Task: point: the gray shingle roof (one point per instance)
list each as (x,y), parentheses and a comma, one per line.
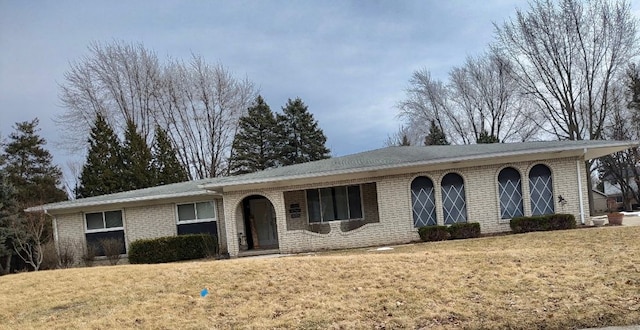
(407,156)
(385,158)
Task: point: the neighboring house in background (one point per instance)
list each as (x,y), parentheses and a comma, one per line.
(371,198)
(611,188)
(599,201)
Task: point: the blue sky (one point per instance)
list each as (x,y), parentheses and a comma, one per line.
(349,61)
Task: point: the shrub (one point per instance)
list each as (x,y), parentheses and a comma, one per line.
(49,256)
(66,253)
(88,254)
(464,230)
(172,248)
(542,223)
(433,233)
(112,248)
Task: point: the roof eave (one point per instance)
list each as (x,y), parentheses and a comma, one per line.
(122,201)
(561,152)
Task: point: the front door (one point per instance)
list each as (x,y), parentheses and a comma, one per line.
(264,223)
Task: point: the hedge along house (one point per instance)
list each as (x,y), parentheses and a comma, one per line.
(366,199)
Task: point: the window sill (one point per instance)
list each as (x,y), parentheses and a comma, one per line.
(186,222)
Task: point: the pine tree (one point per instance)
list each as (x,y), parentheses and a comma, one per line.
(301,140)
(254,146)
(436,136)
(29,167)
(137,160)
(103,170)
(486,138)
(7,214)
(166,167)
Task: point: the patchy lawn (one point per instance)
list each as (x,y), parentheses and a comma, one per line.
(565,279)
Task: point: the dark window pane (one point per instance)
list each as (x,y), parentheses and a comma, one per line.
(93,240)
(453,199)
(326,201)
(510,193)
(342,205)
(94,221)
(208,227)
(205,210)
(186,212)
(541,190)
(355,204)
(113,219)
(423,202)
(313,205)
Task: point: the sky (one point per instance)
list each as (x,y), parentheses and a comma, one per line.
(349,61)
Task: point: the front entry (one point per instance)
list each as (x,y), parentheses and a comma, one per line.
(260,223)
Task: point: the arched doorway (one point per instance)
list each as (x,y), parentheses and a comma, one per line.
(259,217)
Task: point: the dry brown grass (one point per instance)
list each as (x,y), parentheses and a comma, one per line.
(566,279)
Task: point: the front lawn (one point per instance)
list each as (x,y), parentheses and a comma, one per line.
(564,279)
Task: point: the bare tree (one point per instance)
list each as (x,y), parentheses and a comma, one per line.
(30,236)
(201,109)
(566,58)
(402,137)
(481,96)
(199,105)
(488,98)
(623,123)
(119,80)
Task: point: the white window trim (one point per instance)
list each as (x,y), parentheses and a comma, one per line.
(102,230)
(184,222)
(306,201)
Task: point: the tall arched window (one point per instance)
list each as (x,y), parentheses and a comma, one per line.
(541,189)
(454,206)
(423,202)
(510,193)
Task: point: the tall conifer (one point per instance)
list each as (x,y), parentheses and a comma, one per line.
(436,136)
(254,147)
(137,160)
(29,167)
(301,138)
(166,167)
(103,169)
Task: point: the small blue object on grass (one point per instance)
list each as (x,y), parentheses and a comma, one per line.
(204,292)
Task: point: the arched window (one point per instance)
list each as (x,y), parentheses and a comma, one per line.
(510,193)
(423,202)
(454,205)
(541,189)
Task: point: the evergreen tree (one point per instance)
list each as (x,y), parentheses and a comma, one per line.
(7,214)
(301,140)
(29,167)
(436,136)
(166,167)
(255,144)
(137,160)
(485,137)
(103,170)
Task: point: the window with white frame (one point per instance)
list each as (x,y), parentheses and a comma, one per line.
(510,193)
(101,227)
(334,203)
(197,218)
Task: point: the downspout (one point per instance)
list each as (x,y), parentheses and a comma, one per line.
(580,200)
(56,239)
